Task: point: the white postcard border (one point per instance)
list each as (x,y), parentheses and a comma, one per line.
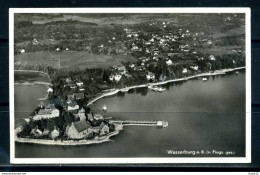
(151,160)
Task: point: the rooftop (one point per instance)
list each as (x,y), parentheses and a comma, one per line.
(82,125)
(44,111)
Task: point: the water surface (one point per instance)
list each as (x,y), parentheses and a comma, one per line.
(201,115)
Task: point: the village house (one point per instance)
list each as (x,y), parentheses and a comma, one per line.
(49,90)
(79,130)
(150,76)
(68,80)
(212,58)
(36,132)
(169,62)
(81,89)
(22,51)
(98,117)
(135,48)
(131,66)
(54,134)
(115,77)
(184,70)
(194,67)
(71,97)
(120,68)
(81,114)
(79,83)
(90,117)
(102,129)
(45,132)
(72,105)
(79,95)
(72,85)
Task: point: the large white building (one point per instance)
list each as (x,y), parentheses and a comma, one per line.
(47,113)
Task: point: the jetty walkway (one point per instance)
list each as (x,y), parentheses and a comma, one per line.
(163,124)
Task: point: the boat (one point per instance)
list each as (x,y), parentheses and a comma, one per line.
(204,79)
(160,89)
(156,88)
(237,72)
(104,108)
(150,87)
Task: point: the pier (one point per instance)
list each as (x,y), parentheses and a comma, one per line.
(163,124)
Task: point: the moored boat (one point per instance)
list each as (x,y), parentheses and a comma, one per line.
(160,89)
(156,88)
(104,108)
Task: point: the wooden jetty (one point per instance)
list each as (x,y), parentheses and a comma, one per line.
(163,123)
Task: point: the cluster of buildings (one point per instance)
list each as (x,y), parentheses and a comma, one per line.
(84,128)
(85,124)
(46,112)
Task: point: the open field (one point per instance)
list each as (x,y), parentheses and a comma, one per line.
(101,19)
(234,31)
(219,50)
(70,59)
(30,76)
(41,57)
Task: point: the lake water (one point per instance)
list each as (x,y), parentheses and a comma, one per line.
(202,116)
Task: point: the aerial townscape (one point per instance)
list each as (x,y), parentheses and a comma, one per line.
(82,58)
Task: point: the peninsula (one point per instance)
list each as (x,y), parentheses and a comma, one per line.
(87,61)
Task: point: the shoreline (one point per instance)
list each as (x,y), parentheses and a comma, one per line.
(66,142)
(217,72)
(33,83)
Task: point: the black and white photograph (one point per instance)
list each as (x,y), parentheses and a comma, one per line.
(130,85)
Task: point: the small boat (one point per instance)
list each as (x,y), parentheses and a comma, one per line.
(204,79)
(150,87)
(156,88)
(104,108)
(237,72)
(160,89)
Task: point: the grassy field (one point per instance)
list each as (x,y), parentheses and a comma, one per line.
(235,31)
(37,58)
(70,59)
(219,50)
(29,76)
(102,20)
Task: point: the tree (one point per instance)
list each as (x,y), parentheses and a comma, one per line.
(32,124)
(50,124)
(25,132)
(68,118)
(43,123)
